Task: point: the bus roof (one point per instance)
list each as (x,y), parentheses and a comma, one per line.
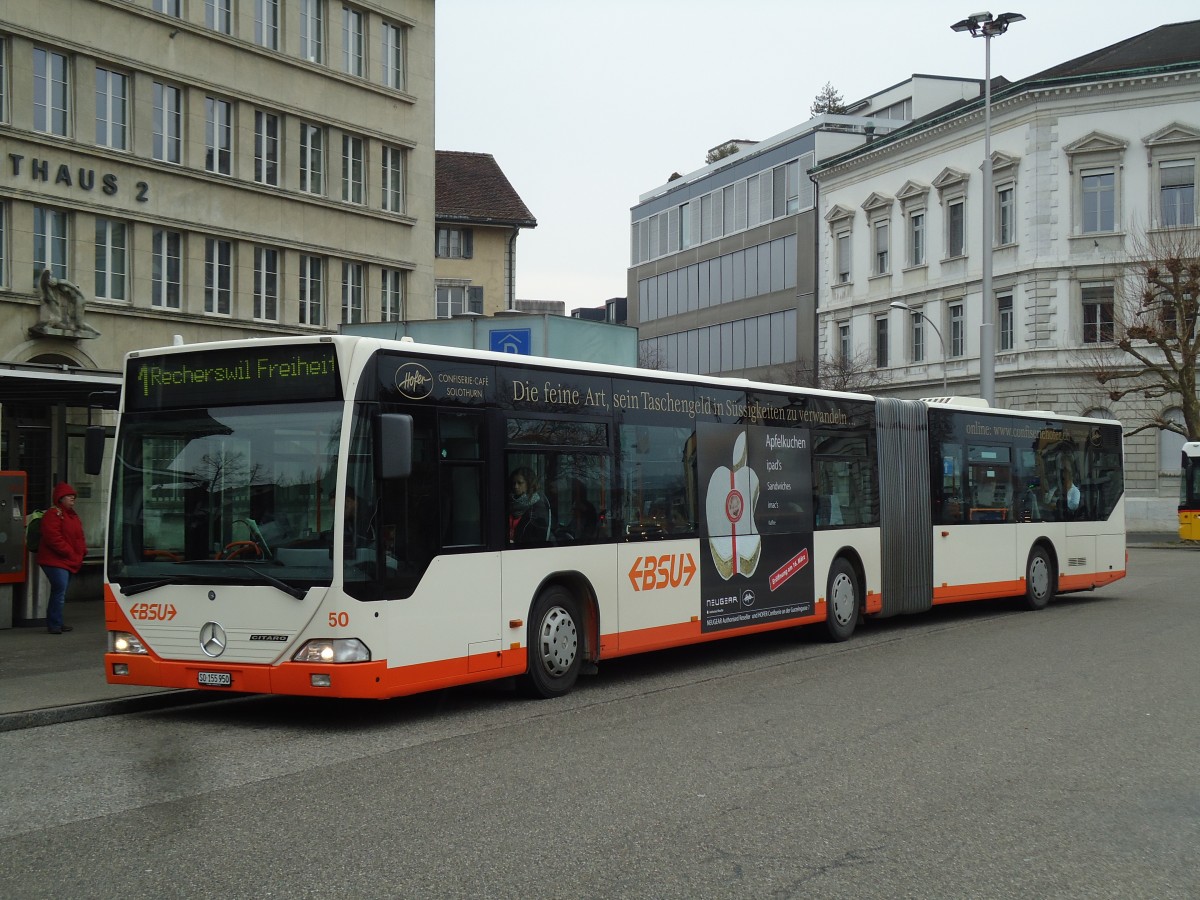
(348,345)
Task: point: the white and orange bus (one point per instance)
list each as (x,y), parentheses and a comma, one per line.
(334,516)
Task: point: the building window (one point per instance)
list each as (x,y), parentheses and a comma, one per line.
(843,258)
(218,276)
(3,244)
(312,159)
(266,284)
(455,299)
(50,91)
(112,109)
(168,123)
(1004,318)
(218,136)
(958,330)
(1099,200)
(881,342)
(1005,215)
(1095,162)
(393,179)
(352,168)
(956,228)
(3,80)
(844,349)
(352,293)
(266,23)
(785,183)
(217,15)
(266,148)
(1177,192)
(49,242)
(391,296)
(169,7)
(312,30)
(917,331)
(110,259)
(455,243)
(916,238)
(881,248)
(165,276)
(352,41)
(393,56)
(1097,314)
(312,291)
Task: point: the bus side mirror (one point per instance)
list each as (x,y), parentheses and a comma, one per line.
(395,445)
(93,449)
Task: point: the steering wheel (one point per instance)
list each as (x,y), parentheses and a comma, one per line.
(238,549)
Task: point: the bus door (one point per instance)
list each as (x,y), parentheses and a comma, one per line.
(434,537)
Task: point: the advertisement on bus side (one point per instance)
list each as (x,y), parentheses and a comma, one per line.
(756,531)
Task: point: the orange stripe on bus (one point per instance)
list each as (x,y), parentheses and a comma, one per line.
(366,680)
(662,637)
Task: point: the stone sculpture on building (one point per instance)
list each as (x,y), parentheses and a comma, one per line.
(62,311)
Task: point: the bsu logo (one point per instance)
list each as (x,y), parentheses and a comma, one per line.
(650,573)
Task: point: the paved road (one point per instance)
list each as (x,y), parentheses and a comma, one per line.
(973,752)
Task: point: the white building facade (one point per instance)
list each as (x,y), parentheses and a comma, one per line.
(1087,166)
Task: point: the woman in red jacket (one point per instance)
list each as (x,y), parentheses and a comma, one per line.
(60,552)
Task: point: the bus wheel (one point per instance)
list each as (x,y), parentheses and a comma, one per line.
(555,643)
(841,601)
(1039,579)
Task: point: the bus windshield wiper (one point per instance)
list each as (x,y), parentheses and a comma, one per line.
(130,590)
(282,585)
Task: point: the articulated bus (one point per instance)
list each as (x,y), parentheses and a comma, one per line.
(1189,493)
(336,515)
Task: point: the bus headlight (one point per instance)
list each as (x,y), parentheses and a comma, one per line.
(124,642)
(337,650)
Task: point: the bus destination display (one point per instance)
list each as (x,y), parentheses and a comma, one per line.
(218,378)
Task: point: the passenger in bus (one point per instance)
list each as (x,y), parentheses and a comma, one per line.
(528,512)
(1066,497)
(584,520)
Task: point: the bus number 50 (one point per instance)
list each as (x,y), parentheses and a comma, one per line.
(339,619)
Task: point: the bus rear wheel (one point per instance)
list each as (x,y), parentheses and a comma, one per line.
(1039,579)
(842,601)
(555,643)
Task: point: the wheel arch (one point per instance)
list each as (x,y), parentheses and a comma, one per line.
(852,556)
(582,589)
(1045,543)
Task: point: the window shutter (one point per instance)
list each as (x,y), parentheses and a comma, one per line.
(468,243)
(475,299)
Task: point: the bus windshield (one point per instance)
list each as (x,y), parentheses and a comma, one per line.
(238,493)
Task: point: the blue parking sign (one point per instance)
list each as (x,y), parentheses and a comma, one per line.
(513,340)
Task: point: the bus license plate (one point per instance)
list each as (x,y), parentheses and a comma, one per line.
(216,679)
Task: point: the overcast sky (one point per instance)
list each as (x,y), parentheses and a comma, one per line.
(587,105)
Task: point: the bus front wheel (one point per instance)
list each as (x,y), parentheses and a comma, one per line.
(841,601)
(1039,579)
(555,643)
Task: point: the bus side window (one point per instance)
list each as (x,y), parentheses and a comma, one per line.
(658,475)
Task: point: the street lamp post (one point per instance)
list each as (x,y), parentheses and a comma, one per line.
(900,304)
(986,26)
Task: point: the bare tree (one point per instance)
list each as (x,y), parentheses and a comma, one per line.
(1154,328)
(836,373)
(651,358)
(828,101)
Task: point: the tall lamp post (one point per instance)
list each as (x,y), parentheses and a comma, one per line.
(900,304)
(986,26)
